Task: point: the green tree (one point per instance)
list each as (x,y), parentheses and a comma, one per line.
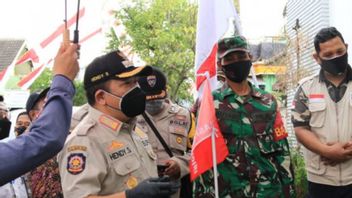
(162,33)
(45,79)
(80,96)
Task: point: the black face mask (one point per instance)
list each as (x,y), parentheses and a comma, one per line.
(5,126)
(335,66)
(132,103)
(20,130)
(237,71)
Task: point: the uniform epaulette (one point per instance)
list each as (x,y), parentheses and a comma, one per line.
(83,129)
(306,79)
(82,112)
(174,109)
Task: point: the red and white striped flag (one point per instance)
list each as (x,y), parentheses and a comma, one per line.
(29,55)
(27,81)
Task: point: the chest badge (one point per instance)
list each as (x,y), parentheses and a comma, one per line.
(179,140)
(132,182)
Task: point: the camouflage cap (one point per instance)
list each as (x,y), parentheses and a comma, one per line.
(231,44)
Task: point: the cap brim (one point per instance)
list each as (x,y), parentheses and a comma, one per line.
(233,50)
(43,93)
(161,95)
(137,71)
(35,100)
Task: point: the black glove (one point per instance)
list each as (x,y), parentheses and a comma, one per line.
(154,187)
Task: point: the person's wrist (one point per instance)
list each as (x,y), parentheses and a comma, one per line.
(325,151)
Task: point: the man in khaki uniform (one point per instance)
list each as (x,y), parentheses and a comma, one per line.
(322,116)
(172,121)
(78,116)
(104,155)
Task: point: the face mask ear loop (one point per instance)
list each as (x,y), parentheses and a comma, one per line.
(119,106)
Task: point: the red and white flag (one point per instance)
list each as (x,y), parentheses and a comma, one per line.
(201,155)
(27,81)
(29,55)
(212,23)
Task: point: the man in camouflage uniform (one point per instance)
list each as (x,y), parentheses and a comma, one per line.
(322,118)
(258,164)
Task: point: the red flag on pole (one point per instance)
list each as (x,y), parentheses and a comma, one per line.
(201,155)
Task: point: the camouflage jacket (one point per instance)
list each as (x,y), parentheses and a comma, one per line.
(259,163)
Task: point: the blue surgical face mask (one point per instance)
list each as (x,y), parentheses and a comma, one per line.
(154,107)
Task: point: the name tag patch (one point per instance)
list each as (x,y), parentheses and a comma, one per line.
(120,153)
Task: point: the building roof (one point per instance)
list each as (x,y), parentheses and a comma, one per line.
(8,51)
(267,50)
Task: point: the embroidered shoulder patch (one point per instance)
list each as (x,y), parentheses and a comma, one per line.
(76,163)
(279,129)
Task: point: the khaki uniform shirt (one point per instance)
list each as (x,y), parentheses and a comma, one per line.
(78,116)
(173,124)
(330,121)
(104,156)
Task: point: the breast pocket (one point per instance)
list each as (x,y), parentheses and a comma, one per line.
(318,113)
(314,163)
(266,142)
(126,165)
(178,138)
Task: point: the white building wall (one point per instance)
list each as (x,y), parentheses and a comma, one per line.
(340,16)
(312,15)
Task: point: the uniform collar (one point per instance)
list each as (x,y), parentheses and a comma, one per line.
(227,91)
(112,124)
(168,105)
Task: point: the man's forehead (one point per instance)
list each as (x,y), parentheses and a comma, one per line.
(335,42)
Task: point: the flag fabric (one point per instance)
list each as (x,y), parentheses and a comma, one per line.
(27,81)
(99,30)
(29,55)
(2,73)
(201,154)
(61,28)
(212,23)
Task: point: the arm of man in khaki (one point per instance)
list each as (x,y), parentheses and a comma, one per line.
(183,161)
(334,151)
(82,167)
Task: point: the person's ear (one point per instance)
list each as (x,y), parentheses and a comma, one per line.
(31,114)
(100,96)
(316,57)
(250,56)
